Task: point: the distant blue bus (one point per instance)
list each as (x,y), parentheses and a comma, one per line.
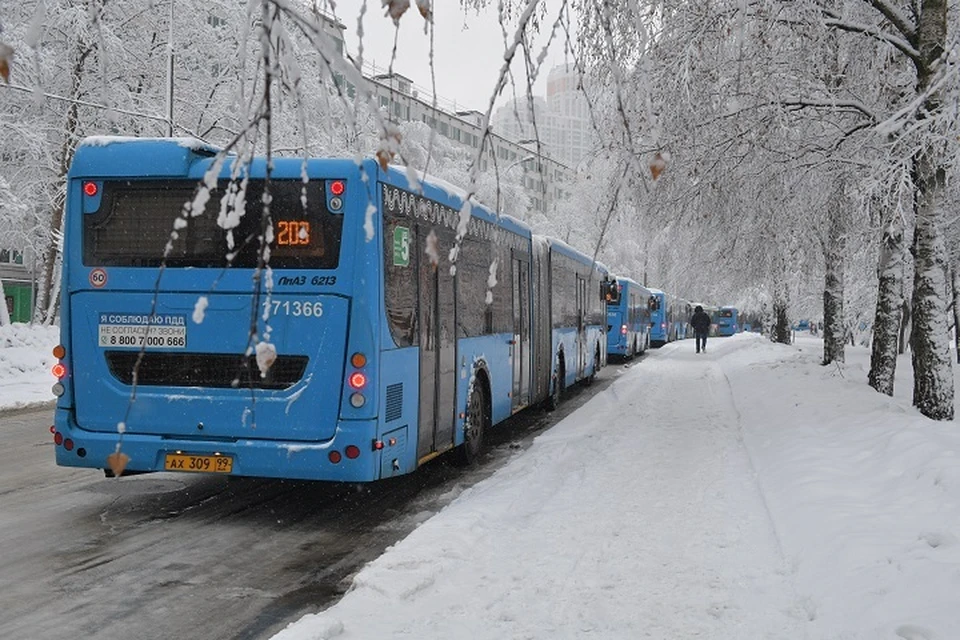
(628,318)
(669,318)
(332,340)
(727,320)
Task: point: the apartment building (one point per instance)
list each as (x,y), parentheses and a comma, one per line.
(401,100)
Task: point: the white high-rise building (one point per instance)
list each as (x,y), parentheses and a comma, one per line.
(562,119)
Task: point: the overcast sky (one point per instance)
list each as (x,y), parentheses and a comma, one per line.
(468,49)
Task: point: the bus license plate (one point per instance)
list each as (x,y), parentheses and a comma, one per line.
(199,464)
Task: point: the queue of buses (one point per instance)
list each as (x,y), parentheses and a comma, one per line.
(361,324)
(666,319)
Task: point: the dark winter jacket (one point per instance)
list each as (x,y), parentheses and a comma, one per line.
(700,321)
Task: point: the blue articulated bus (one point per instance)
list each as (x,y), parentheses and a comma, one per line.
(727,320)
(357,351)
(628,318)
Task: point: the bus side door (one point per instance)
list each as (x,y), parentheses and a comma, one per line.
(520,345)
(582,310)
(437,326)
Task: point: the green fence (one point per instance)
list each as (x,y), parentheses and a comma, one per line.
(18,299)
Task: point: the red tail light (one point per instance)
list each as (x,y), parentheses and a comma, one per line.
(623,329)
(59,371)
(90,188)
(358,380)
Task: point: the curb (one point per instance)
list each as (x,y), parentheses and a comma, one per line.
(6,412)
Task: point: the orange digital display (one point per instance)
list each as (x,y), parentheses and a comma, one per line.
(293,233)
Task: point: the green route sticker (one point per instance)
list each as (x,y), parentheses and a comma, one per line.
(401,247)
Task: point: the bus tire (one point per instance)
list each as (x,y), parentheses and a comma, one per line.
(553,400)
(477,421)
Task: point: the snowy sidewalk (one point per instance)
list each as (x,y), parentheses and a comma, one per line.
(636,517)
(25,361)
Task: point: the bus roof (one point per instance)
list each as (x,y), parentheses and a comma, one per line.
(110,156)
(565,249)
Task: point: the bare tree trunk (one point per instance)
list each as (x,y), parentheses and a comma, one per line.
(955,288)
(906,316)
(4,314)
(47,304)
(833,286)
(781,326)
(886,323)
(929,342)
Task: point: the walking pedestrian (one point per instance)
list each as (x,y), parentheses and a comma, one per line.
(700,322)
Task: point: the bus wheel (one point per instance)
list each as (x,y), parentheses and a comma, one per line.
(554,400)
(476,423)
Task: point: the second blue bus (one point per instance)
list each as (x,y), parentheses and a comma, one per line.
(628,318)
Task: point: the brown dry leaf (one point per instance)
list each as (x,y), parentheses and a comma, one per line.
(117,461)
(6,61)
(389,146)
(396,8)
(425,9)
(657,165)
(383,157)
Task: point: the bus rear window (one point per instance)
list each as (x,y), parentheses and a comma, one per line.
(726,313)
(134,223)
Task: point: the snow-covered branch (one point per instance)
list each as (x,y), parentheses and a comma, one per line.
(848,106)
(902,23)
(832,19)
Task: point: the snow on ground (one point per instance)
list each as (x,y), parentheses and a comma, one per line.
(26,356)
(746,493)
(740,494)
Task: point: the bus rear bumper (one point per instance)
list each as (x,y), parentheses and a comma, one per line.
(248,457)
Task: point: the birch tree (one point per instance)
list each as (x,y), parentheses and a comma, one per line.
(920,35)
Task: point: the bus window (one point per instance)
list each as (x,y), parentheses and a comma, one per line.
(610,291)
(132,226)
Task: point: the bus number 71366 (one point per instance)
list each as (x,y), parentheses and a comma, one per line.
(304,308)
